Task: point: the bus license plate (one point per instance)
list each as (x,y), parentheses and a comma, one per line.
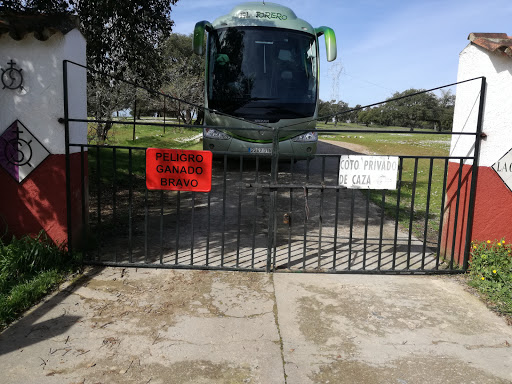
(260,150)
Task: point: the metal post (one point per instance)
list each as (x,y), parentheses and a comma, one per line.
(474,173)
(164,112)
(68,165)
(273,198)
(134,114)
(179,114)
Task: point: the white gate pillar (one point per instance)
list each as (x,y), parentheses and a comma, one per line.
(32,141)
(488,55)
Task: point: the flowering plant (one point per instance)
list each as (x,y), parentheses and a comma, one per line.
(491,272)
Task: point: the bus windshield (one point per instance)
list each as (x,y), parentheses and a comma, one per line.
(262,74)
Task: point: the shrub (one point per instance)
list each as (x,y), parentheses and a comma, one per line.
(491,272)
(29,269)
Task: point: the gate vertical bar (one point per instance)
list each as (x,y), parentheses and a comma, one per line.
(320,217)
(306,216)
(365,237)
(256,179)
(209,224)
(224,186)
(82,193)
(474,173)
(192,228)
(178,209)
(273,199)
(381,231)
(441,217)
(239,222)
(146,226)
(411,213)
(335,245)
(134,114)
(351,230)
(130,205)
(290,222)
(98,199)
(68,163)
(114,197)
(165,99)
(395,241)
(457,203)
(161,226)
(427,213)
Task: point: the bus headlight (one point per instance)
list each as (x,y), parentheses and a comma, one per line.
(211,133)
(306,137)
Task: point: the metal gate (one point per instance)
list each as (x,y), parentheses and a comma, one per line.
(266,214)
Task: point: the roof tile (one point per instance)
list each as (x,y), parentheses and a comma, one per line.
(494,42)
(43,26)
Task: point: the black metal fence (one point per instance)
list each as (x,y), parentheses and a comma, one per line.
(265,214)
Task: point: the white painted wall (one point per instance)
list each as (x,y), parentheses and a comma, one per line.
(475,61)
(41,103)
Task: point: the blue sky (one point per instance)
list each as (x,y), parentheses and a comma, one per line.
(383,46)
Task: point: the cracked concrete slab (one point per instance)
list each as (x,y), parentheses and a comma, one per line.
(117,325)
(388,329)
(149,326)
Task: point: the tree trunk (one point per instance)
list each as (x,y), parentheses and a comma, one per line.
(200,118)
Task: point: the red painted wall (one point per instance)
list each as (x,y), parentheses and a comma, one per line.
(492,215)
(39,202)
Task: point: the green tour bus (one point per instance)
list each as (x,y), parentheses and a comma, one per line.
(262,72)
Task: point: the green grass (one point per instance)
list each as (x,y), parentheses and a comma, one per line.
(149,136)
(405,144)
(29,269)
(491,273)
(146,137)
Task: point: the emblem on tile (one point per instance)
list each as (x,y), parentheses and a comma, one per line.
(20,151)
(12,78)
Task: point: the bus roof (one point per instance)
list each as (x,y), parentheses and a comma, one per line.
(261,14)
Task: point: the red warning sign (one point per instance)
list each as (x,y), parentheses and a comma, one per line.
(179,170)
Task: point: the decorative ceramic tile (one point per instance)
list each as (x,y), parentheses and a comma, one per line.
(503,168)
(20,151)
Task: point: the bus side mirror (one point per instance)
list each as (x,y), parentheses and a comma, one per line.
(330,41)
(198,41)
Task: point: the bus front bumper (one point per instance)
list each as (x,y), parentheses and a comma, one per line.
(236,147)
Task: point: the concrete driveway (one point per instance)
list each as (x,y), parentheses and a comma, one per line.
(177,326)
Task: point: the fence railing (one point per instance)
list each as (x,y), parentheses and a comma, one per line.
(270,214)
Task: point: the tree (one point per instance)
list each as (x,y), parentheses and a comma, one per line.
(338,108)
(121,35)
(413,109)
(184,74)
(364,116)
(327,110)
(124,38)
(447,107)
(353,115)
(324,110)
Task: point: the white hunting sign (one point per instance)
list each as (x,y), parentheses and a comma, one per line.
(368,172)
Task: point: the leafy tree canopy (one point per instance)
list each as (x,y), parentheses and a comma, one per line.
(123,37)
(412,108)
